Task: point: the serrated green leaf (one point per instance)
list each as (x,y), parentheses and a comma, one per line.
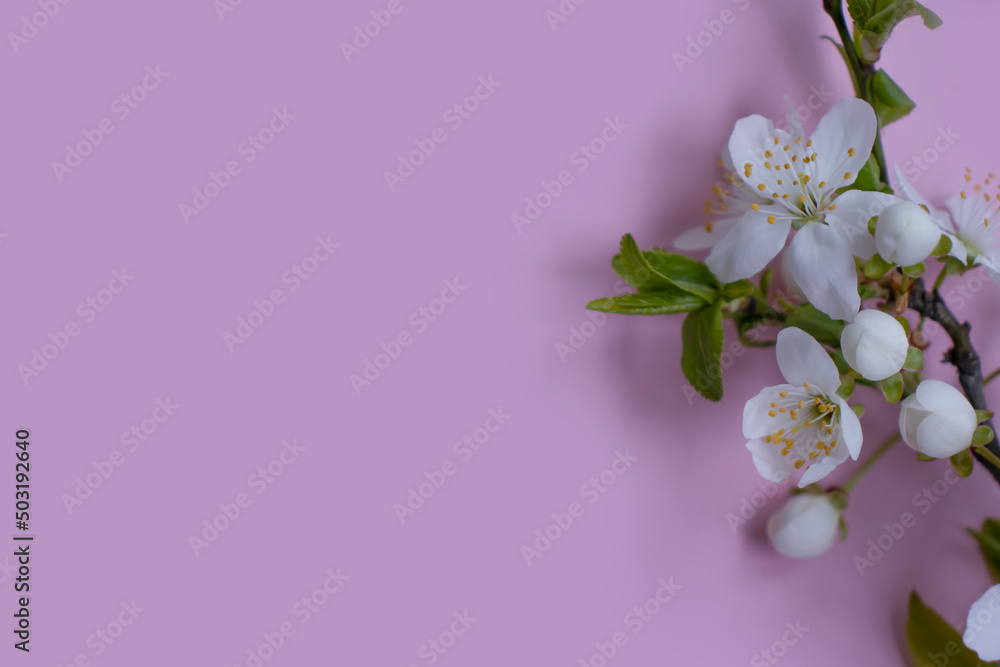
(963,463)
(983,415)
(737,290)
(982,436)
(702,357)
(914,360)
(876,267)
(816,323)
(891,103)
(649,303)
(928,635)
(989,545)
(892,388)
(657,270)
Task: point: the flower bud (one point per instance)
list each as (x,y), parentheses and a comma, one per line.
(875,345)
(937,420)
(982,627)
(805,526)
(905,234)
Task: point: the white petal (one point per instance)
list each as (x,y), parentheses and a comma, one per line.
(942,435)
(750,138)
(850,218)
(935,395)
(849,127)
(982,627)
(818,471)
(911,415)
(802,360)
(699,238)
(850,428)
(756,422)
(824,268)
(909,192)
(958,249)
(749,246)
(769,462)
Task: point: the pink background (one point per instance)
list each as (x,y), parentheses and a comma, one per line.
(494,347)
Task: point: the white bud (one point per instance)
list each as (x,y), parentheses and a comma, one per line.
(937,420)
(906,234)
(805,526)
(875,345)
(982,627)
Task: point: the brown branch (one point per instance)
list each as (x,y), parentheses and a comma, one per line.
(962,355)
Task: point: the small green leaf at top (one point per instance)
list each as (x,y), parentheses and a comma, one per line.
(983,415)
(892,388)
(914,360)
(928,634)
(649,303)
(943,247)
(816,323)
(875,20)
(876,267)
(982,436)
(891,103)
(737,290)
(701,360)
(963,463)
(989,544)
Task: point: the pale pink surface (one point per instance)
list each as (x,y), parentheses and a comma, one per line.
(494,347)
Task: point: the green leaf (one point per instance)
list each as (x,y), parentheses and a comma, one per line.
(878,267)
(868,178)
(737,290)
(872,221)
(923,457)
(816,323)
(701,361)
(928,634)
(915,271)
(875,20)
(656,270)
(914,360)
(892,387)
(858,409)
(891,103)
(766,279)
(982,436)
(649,303)
(963,463)
(866,292)
(905,323)
(989,544)
(846,389)
(983,415)
(943,247)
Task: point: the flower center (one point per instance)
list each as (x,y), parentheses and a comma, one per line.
(808,423)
